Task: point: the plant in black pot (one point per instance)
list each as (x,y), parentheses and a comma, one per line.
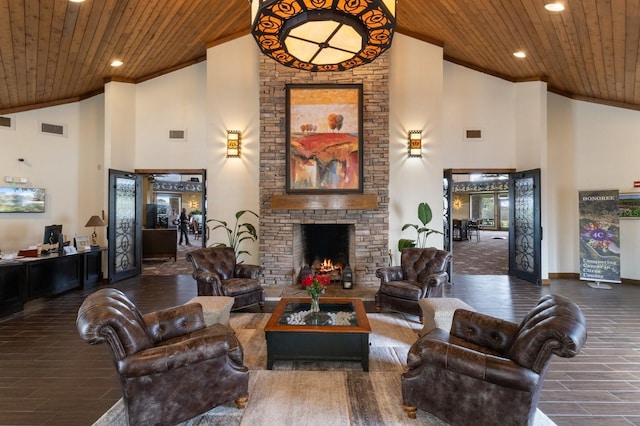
(237,234)
(424,216)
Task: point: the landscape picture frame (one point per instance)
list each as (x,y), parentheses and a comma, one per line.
(629,205)
(17,199)
(324,147)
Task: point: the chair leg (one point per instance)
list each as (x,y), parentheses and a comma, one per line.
(261,305)
(241,402)
(410,410)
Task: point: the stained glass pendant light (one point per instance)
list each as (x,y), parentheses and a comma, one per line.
(323,35)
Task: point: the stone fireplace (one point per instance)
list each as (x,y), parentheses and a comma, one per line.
(281,226)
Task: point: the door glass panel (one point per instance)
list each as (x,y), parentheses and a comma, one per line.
(125,220)
(524,256)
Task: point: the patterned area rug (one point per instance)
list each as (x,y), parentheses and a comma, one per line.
(319,393)
(179,266)
(488,256)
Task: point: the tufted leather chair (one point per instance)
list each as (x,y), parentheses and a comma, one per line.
(488,371)
(421,273)
(217,274)
(171,366)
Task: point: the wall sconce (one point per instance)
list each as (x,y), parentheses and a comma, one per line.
(457,203)
(415,143)
(233,143)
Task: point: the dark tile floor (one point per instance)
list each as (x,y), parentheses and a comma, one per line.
(49,376)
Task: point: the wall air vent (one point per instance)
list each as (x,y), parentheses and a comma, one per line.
(53,129)
(473,135)
(7,123)
(177,135)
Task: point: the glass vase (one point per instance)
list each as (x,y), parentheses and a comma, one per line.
(315,307)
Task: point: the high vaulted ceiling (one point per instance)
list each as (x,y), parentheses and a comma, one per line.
(55,51)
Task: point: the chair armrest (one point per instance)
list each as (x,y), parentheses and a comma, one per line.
(435,280)
(469,362)
(205,276)
(390,273)
(484,330)
(173,356)
(173,322)
(248,271)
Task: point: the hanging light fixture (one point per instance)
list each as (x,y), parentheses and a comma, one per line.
(323,35)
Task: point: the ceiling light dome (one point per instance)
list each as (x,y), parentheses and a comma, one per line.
(555,6)
(323,35)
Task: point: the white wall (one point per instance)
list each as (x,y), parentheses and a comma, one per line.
(562,198)
(531,150)
(415,103)
(233,103)
(606,157)
(175,101)
(55,163)
(119,128)
(473,100)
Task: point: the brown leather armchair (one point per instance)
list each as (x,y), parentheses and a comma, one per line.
(171,366)
(421,273)
(488,371)
(217,274)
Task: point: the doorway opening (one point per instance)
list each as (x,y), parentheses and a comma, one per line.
(480,218)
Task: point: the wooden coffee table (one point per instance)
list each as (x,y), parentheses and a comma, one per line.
(339,332)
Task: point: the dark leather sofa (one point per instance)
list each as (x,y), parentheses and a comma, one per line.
(170,365)
(488,371)
(421,273)
(217,274)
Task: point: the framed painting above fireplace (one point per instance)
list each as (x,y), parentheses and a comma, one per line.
(324,138)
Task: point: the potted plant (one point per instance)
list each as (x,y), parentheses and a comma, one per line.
(424,216)
(237,234)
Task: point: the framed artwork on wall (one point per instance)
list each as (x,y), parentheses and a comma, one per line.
(22,200)
(324,138)
(629,205)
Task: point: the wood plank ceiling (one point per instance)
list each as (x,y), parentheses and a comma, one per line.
(56,51)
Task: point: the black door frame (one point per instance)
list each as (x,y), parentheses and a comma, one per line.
(135,268)
(525,232)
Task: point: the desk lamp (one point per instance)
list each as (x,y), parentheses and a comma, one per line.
(94,221)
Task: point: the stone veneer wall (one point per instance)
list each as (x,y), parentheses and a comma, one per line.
(276,226)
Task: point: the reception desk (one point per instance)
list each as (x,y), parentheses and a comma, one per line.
(30,278)
(159,243)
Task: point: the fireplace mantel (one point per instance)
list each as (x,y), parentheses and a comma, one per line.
(324,202)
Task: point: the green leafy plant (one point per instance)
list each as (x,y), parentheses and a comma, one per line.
(424,216)
(237,234)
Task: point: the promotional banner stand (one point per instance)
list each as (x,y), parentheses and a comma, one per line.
(598,284)
(599,237)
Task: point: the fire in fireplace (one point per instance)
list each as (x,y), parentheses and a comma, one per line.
(326,249)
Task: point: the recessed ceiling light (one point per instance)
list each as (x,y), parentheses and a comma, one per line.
(519,54)
(76,1)
(554,7)
(117,63)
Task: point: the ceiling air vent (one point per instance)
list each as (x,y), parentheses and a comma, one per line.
(473,135)
(177,135)
(53,129)
(6,122)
